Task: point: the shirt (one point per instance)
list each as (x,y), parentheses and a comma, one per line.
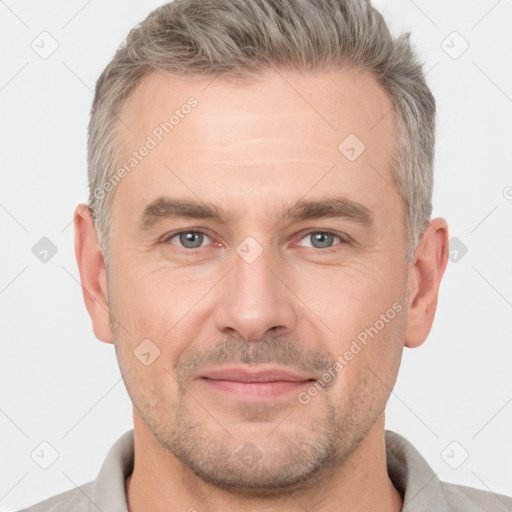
(419,486)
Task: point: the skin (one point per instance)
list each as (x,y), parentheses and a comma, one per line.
(257,148)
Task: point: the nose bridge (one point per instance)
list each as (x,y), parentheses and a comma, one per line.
(254,298)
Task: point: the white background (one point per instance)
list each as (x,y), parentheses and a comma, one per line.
(61,385)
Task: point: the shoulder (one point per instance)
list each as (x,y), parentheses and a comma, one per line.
(468,499)
(74,500)
(423,490)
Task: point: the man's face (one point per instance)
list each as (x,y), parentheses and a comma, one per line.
(261,286)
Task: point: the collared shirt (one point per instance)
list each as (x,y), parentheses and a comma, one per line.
(419,486)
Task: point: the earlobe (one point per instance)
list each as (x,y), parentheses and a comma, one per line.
(92,273)
(425,276)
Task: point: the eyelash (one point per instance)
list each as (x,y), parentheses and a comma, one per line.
(345,240)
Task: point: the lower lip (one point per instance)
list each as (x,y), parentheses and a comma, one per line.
(256,389)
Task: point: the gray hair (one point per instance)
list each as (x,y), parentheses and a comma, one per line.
(240,39)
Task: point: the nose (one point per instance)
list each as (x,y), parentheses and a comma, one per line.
(256,298)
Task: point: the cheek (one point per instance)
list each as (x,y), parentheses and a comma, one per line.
(349,299)
(166,310)
(153,303)
(367,376)
(151,388)
(368,317)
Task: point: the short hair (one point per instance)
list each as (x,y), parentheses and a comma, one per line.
(241,39)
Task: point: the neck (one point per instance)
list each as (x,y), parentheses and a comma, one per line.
(160,482)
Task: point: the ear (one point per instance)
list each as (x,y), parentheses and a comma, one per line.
(425,275)
(92,273)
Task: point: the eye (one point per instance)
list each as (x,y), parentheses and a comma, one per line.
(188,239)
(322,239)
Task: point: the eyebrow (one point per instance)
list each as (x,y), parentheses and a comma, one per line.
(332,207)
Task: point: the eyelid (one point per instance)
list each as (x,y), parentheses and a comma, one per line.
(169,236)
(345,239)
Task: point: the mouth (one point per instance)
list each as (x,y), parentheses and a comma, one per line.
(256,383)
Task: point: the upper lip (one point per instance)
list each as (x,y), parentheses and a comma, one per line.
(241,374)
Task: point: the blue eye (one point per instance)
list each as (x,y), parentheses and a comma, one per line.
(192,240)
(322,239)
(189,239)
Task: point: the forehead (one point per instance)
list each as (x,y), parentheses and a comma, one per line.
(330,102)
(270,138)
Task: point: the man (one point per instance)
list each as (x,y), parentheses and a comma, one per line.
(258,248)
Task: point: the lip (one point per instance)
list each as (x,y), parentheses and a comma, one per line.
(240,374)
(254,384)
